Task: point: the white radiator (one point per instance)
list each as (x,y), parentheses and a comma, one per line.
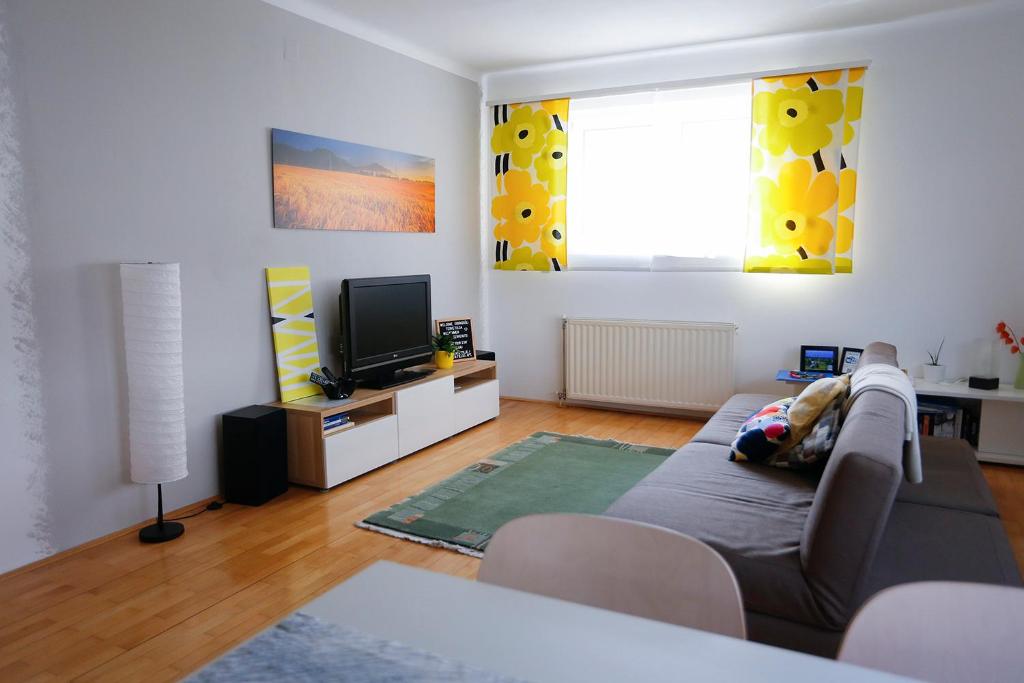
(650,363)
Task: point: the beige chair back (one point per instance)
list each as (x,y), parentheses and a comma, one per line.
(941,631)
(618,565)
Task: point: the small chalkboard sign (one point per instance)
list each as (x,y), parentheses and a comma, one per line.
(461,329)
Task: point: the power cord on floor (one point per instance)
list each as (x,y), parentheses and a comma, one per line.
(215,505)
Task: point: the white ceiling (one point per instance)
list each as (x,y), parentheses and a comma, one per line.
(472,37)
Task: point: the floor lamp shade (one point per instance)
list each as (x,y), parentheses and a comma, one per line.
(151,293)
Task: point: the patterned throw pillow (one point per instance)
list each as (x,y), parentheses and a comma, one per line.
(811,403)
(770,435)
(815,448)
(764,432)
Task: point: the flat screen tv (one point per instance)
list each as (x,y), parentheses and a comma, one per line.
(385,327)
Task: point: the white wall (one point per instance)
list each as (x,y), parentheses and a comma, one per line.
(146,137)
(939,230)
(23,526)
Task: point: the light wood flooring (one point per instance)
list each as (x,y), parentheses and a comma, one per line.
(119,610)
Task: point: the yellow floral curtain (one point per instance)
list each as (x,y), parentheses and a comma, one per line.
(803,161)
(530,145)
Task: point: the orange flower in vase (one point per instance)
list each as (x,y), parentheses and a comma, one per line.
(1010,338)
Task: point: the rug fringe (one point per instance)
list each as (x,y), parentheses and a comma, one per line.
(434,543)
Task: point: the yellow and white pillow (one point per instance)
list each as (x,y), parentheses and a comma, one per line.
(809,406)
(775,435)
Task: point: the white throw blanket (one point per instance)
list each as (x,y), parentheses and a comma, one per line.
(892,380)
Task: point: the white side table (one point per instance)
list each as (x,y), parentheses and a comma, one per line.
(1001,433)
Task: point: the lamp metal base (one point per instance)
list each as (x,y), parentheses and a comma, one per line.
(161,532)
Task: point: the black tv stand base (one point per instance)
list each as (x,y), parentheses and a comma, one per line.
(394,379)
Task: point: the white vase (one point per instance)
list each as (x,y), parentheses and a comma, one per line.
(934,373)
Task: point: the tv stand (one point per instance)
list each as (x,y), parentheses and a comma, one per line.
(393,379)
(386,424)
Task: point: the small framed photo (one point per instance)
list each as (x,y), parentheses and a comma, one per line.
(819,359)
(848,359)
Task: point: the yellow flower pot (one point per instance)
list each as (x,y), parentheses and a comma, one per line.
(443,360)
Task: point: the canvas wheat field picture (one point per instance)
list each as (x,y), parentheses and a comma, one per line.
(324,184)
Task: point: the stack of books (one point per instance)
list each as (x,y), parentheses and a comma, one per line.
(943,421)
(335,422)
(947,421)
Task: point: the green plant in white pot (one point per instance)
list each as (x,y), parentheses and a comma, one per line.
(933,370)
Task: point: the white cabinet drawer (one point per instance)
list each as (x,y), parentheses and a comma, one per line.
(424,414)
(476,403)
(359,449)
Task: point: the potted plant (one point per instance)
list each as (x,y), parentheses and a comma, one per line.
(933,370)
(444,350)
(1010,338)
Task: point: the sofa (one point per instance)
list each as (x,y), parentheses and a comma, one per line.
(810,547)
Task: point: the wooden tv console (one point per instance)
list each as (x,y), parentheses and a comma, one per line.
(388,424)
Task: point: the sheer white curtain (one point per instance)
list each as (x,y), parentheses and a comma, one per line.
(658,180)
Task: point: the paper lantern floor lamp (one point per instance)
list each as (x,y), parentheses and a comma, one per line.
(151,293)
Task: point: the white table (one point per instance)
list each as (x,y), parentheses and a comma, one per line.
(541,639)
(1001,433)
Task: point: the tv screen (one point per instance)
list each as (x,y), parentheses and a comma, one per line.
(389,318)
(386,324)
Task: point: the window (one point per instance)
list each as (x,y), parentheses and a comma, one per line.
(658,180)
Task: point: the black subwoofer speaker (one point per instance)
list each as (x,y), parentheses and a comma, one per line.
(255,454)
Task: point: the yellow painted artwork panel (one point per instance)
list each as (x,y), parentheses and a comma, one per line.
(294,331)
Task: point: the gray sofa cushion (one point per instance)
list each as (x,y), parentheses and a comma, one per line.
(952,478)
(721,428)
(753,515)
(851,506)
(762,628)
(928,543)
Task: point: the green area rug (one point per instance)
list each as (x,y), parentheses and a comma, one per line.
(542,473)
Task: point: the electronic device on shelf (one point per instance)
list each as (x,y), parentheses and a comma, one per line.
(386,327)
(335,388)
(819,359)
(986,383)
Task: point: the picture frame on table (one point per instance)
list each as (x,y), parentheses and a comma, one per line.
(823,359)
(848,359)
(461,330)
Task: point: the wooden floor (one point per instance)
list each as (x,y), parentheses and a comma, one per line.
(1007,484)
(119,610)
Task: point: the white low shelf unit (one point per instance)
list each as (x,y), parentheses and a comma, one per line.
(388,424)
(1001,433)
